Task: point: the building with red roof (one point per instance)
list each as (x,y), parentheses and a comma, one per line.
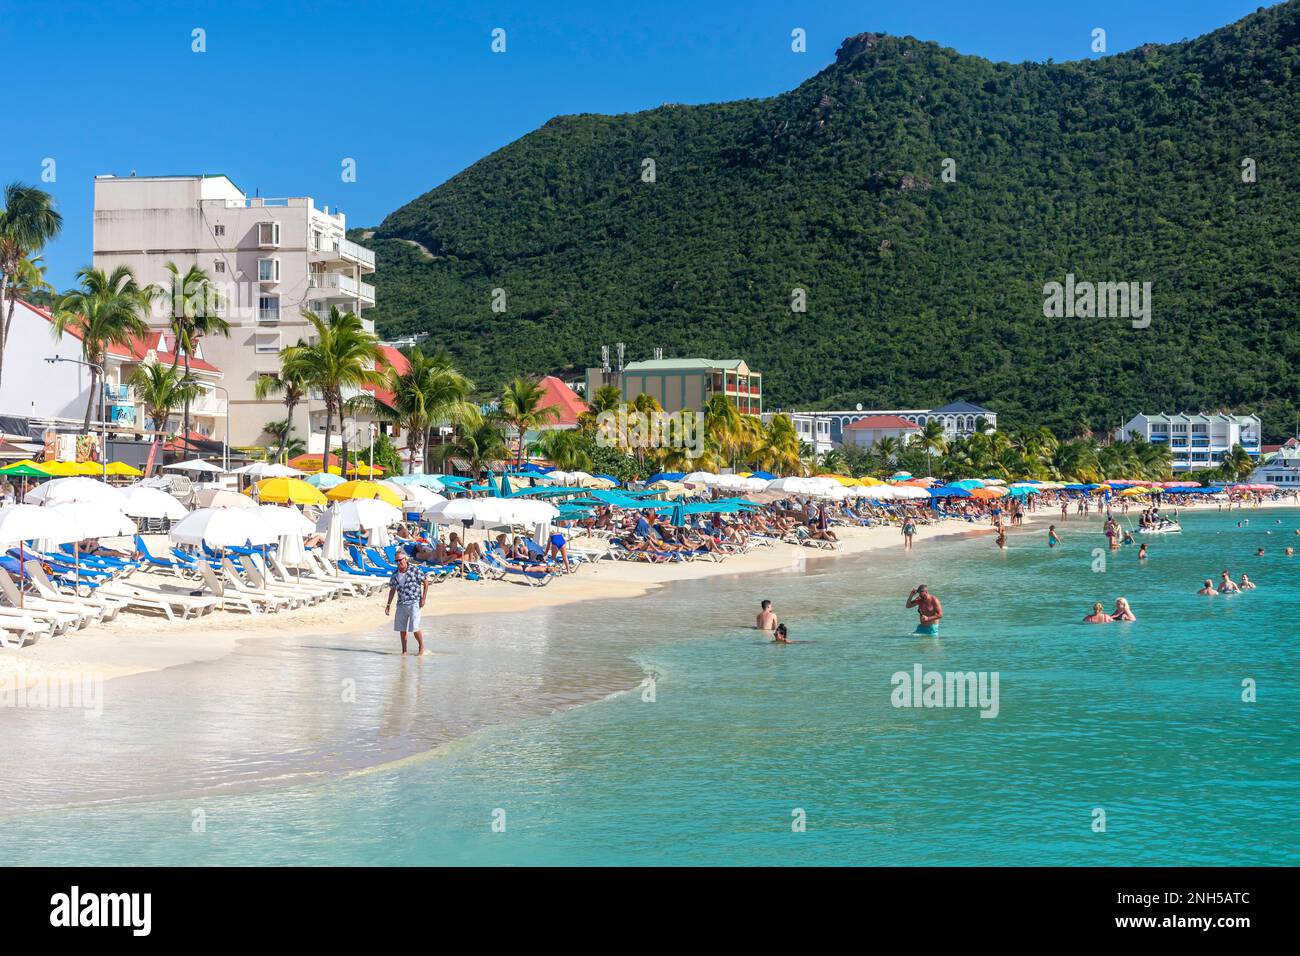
(567,403)
(865,432)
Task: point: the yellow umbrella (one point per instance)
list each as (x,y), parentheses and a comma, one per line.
(61,469)
(288,491)
(363,489)
(362,470)
(27,462)
(842,479)
(1136,491)
(121,469)
(869,482)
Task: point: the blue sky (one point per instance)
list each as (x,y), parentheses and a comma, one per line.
(285,91)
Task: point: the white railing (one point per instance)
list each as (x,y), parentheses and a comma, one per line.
(346,285)
(367,291)
(209,403)
(359,253)
(268,315)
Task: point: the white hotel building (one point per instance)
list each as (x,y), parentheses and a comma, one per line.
(271,259)
(823,431)
(1196,441)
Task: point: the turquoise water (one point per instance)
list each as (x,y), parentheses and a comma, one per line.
(1144,721)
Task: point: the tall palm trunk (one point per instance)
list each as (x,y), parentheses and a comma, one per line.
(185,420)
(329,433)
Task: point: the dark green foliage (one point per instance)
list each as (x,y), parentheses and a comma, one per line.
(919,291)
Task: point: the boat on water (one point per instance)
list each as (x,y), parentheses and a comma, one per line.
(1163,527)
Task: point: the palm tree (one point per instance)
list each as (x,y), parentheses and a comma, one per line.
(193,311)
(27,222)
(563,447)
(1237,464)
(105,311)
(481,444)
(341,357)
(522,409)
(161,389)
(292,391)
(888,448)
(722,425)
(430,392)
(931,440)
(779,450)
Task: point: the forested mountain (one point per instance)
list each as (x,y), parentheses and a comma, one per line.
(919,290)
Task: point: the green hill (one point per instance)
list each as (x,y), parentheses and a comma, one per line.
(919,291)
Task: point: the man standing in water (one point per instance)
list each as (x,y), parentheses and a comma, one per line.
(767,619)
(409,586)
(928,607)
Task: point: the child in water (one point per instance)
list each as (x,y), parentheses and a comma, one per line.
(782,635)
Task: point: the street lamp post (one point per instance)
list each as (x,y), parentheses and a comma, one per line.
(225,439)
(103,425)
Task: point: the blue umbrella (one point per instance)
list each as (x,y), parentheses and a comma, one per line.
(679,514)
(432,482)
(323,480)
(765,475)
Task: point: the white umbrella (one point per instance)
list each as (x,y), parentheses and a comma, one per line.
(420,498)
(267,469)
(196,464)
(75,489)
(360,513)
(333,546)
(222,528)
(94,521)
(19,523)
(910,492)
(292,551)
(528,511)
(797,486)
(284,520)
(702,478)
(221,498)
(146,502)
(479,512)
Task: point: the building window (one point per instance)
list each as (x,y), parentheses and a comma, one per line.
(219,230)
(219,265)
(268,270)
(266,343)
(268,233)
(268,308)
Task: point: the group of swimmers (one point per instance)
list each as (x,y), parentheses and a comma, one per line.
(1122,612)
(1227,585)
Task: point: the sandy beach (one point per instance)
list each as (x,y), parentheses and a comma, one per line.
(137,643)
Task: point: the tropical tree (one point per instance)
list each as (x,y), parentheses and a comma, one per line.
(429,392)
(105,311)
(522,409)
(722,425)
(340,357)
(161,389)
(193,310)
(779,450)
(1237,464)
(481,444)
(27,222)
(931,440)
(566,448)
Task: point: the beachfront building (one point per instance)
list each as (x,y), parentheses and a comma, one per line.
(36,395)
(686,383)
(823,431)
(270,258)
(1279,465)
(865,432)
(1196,441)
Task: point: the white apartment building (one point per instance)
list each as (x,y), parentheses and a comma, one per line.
(270,258)
(826,430)
(1196,441)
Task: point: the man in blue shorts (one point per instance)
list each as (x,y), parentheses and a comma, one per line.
(928,607)
(409,586)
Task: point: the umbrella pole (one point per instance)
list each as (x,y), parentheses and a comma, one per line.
(22,573)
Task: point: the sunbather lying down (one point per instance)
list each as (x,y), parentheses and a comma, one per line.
(92,546)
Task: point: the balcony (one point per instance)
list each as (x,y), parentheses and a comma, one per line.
(209,404)
(336,285)
(268,316)
(330,249)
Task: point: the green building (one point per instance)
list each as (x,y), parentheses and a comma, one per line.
(685,383)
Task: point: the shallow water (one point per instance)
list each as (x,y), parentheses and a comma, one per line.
(741,740)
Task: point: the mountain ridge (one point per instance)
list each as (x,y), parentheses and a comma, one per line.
(919,290)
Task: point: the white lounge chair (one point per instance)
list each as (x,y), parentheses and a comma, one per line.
(278,572)
(318,570)
(260,579)
(170,602)
(229,597)
(69,611)
(18,630)
(99,607)
(267,599)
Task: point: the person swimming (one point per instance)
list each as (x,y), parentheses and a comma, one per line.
(1142,551)
(767,619)
(1053,539)
(1098,615)
(1208,589)
(1122,611)
(1227,585)
(1246,583)
(781,635)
